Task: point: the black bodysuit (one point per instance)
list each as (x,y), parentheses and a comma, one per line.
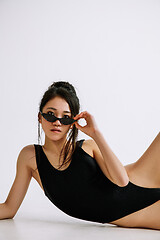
(84,192)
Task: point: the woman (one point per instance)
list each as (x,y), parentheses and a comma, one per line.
(84,178)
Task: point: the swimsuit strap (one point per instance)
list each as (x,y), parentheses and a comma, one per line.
(80,142)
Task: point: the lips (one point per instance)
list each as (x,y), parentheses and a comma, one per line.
(55,130)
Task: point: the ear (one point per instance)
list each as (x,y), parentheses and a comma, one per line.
(39,117)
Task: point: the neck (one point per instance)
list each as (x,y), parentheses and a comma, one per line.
(52,146)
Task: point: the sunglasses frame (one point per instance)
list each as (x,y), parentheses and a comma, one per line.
(56,118)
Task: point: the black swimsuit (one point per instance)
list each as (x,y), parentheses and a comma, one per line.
(84,192)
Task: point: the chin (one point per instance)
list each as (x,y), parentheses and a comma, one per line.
(56,138)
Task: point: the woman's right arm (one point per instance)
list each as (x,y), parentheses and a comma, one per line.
(20,185)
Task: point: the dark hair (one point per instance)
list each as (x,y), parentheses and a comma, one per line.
(66,91)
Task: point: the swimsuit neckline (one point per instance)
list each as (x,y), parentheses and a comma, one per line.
(54,168)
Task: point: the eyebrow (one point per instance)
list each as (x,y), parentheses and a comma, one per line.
(56,109)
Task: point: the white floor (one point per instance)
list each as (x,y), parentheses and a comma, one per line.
(31,228)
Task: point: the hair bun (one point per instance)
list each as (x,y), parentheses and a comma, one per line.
(63,84)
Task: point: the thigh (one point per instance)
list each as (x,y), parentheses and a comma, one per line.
(148,217)
(145,171)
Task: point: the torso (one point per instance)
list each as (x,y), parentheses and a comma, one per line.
(131,169)
(53,160)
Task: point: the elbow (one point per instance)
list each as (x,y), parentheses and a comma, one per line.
(10,213)
(9,217)
(12,216)
(124,182)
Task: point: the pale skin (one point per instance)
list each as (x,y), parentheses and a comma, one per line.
(144,172)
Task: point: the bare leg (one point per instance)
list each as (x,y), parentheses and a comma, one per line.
(148,217)
(146,170)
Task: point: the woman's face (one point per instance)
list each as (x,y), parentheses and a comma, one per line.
(60,108)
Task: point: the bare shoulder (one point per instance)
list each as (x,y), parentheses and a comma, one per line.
(88,142)
(89,146)
(28,149)
(27,155)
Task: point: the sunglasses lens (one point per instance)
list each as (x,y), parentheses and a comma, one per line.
(67,121)
(49,117)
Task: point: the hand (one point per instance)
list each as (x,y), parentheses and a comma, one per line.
(90,128)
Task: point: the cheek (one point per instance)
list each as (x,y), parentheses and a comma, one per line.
(67,128)
(45,125)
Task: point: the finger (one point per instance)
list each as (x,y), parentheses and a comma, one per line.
(78,116)
(78,126)
(83,114)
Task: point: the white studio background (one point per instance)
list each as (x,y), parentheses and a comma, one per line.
(108,49)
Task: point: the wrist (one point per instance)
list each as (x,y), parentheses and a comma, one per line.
(96,134)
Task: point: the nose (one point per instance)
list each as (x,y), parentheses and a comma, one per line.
(57,122)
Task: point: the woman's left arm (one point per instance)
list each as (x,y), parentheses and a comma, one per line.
(115,168)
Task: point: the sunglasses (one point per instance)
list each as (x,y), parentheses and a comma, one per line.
(50,117)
